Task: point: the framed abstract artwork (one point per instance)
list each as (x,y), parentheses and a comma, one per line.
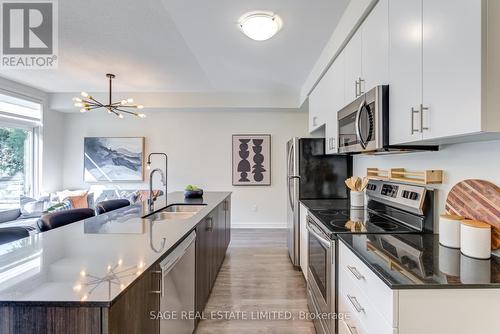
(113,159)
(251,160)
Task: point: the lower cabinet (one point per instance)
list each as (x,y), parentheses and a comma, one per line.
(213,235)
(368,305)
(130,314)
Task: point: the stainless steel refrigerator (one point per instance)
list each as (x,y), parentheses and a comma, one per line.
(311,175)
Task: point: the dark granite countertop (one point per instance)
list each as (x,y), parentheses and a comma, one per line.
(57,266)
(323,204)
(418,261)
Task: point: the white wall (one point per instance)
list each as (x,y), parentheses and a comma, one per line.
(198,143)
(52,150)
(480,160)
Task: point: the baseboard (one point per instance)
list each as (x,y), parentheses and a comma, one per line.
(257,225)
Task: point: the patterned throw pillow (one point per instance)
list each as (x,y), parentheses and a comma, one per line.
(32,208)
(64,205)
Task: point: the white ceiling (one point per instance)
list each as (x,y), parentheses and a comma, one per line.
(184,46)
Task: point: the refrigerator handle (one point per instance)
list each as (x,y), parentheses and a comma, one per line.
(290,177)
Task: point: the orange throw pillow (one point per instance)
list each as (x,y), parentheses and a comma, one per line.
(79,202)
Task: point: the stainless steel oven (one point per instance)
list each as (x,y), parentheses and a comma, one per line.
(363,124)
(321,278)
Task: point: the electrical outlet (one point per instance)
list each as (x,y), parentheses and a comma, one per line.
(255,208)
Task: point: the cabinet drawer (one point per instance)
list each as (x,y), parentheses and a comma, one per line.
(380,295)
(360,309)
(350,324)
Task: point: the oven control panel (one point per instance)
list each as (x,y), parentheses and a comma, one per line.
(396,193)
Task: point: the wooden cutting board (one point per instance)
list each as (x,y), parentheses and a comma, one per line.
(477,200)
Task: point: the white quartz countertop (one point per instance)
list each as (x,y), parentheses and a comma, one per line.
(94,260)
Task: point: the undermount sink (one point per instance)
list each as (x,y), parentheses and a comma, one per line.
(178,212)
(183,208)
(173,215)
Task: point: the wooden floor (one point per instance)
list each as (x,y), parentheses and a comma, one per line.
(257,276)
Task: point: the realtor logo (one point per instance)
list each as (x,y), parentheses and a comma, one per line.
(29,34)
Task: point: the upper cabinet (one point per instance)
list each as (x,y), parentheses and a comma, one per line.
(405,70)
(335,101)
(439,50)
(375,47)
(440,60)
(352,60)
(318,106)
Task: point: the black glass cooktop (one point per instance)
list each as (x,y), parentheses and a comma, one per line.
(358,221)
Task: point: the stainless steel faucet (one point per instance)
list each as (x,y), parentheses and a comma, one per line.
(164,177)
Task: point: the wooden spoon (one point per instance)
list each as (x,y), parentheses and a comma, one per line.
(357,183)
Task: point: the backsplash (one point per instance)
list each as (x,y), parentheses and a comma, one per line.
(461,161)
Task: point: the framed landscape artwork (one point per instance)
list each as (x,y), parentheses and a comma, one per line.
(251,160)
(113,159)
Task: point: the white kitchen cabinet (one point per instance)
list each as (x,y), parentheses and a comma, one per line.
(405,70)
(303,236)
(451,67)
(353,73)
(375,47)
(444,70)
(335,79)
(319,104)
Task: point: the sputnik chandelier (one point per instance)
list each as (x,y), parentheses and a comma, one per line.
(87,103)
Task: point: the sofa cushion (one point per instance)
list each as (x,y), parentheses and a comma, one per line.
(28,223)
(32,208)
(64,205)
(9,215)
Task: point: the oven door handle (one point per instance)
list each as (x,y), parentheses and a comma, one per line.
(318,235)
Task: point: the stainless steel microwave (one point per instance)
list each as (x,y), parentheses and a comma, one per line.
(363,126)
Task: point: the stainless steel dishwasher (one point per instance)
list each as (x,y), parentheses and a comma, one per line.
(177,290)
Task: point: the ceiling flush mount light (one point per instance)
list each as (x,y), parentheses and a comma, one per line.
(87,103)
(260,26)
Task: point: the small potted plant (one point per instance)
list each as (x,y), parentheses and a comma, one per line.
(193,192)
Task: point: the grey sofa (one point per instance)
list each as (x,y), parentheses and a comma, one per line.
(11,218)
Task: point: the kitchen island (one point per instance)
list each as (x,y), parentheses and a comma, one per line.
(101,275)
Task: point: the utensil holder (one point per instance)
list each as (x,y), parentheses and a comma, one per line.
(357,198)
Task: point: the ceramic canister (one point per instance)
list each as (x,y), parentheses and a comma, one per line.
(474,271)
(449,260)
(475,239)
(357,198)
(449,230)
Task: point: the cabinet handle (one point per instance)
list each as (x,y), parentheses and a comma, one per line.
(422,109)
(333,144)
(361,92)
(314,120)
(356,88)
(413,112)
(356,273)
(158,292)
(351,330)
(210,226)
(356,304)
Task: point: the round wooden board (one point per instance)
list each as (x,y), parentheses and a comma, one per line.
(477,200)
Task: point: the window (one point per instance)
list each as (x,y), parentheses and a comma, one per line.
(20,121)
